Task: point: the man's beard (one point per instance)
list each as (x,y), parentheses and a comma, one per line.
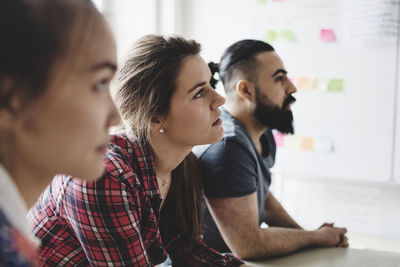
(272,116)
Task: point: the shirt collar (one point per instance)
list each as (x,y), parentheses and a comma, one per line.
(142,152)
(13,205)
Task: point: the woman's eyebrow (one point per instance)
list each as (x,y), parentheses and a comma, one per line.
(105,64)
(197,85)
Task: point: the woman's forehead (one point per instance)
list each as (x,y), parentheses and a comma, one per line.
(194,70)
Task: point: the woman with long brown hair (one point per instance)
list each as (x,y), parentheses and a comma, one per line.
(55,107)
(148,203)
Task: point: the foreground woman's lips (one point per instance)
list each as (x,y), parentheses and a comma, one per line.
(217,122)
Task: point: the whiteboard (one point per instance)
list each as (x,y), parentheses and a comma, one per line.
(360,207)
(353,41)
(396,160)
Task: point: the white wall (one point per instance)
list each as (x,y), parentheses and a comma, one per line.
(367,206)
(129,20)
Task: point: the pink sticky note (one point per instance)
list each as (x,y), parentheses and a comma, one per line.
(279,138)
(327,35)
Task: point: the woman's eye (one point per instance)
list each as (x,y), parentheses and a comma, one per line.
(199,93)
(279,79)
(101,86)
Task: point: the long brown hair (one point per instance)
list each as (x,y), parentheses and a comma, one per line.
(143,88)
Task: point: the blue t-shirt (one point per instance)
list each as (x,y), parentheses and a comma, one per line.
(234,168)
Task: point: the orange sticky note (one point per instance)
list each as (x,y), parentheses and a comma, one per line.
(304,83)
(327,35)
(307,143)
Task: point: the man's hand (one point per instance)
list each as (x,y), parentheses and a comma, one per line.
(330,236)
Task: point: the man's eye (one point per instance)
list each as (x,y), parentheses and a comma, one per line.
(279,79)
(199,93)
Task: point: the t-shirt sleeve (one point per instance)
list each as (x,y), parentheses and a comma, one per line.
(229,170)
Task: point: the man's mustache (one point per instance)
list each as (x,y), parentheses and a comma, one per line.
(289,100)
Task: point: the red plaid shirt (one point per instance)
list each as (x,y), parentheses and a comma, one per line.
(114,220)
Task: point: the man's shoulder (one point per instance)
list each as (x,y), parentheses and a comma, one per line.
(235,141)
(229,150)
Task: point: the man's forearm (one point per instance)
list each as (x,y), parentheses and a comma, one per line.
(276,215)
(276,241)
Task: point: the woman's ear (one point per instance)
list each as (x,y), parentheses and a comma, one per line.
(7,118)
(155,124)
(9,112)
(245,90)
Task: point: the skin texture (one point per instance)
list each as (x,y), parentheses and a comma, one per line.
(237,218)
(193,119)
(194,107)
(190,120)
(65,130)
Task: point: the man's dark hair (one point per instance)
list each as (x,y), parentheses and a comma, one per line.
(238,60)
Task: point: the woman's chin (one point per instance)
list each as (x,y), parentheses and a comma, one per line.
(216,138)
(92,175)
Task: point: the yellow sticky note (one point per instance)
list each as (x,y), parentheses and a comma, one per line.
(304,83)
(335,85)
(307,143)
(292,141)
(271,36)
(287,35)
(261,1)
(321,84)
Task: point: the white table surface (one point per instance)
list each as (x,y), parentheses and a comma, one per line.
(334,257)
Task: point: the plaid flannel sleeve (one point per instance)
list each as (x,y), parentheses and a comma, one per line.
(104,216)
(197,254)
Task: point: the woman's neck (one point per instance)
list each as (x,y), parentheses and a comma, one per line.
(30,183)
(167,156)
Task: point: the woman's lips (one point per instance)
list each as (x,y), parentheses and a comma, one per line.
(217,122)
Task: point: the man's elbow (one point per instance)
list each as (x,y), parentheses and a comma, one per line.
(248,251)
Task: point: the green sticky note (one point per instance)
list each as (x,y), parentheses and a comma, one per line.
(336,85)
(261,1)
(287,35)
(271,36)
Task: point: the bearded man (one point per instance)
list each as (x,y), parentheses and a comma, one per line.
(237,169)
